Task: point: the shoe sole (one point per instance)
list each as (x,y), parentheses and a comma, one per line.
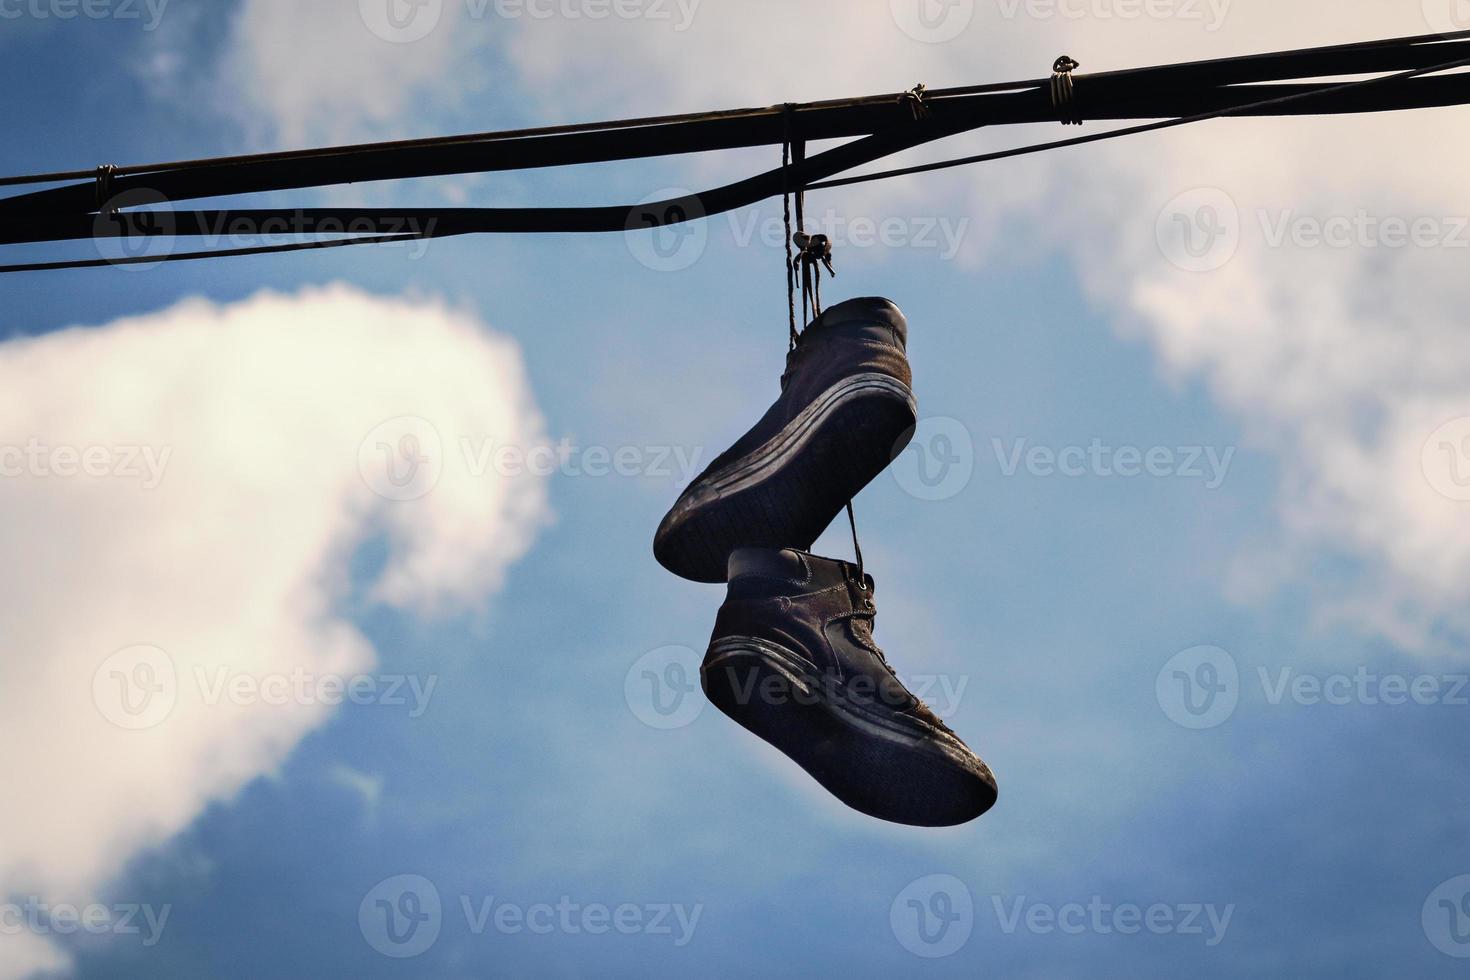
(786,493)
(885,764)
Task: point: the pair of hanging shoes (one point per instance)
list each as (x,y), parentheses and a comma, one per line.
(793,657)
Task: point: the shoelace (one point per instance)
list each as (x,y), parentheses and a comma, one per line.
(866,618)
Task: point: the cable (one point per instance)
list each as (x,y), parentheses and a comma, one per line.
(1134,130)
(1262,67)
(1005,102)
(217,254)
(962,115)
(446,223)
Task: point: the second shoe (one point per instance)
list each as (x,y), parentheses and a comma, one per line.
(793,660)
(846,410)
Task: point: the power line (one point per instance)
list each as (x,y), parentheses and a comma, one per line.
(1178,94)
(1149,128)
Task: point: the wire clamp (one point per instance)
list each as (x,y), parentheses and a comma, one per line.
(105,175)
(913,100)
(1063,93)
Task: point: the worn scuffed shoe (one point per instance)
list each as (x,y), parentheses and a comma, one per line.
(793,660)
(846,411)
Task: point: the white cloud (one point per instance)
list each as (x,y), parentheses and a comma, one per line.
(368,788)
(336,71)
(237,560)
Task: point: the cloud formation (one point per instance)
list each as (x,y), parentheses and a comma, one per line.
(168,641)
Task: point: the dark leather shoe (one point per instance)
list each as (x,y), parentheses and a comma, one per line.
(793,660)
(845,412)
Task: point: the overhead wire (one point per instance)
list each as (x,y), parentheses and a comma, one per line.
(35,218)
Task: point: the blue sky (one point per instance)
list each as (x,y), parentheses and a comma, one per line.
(1051,603)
